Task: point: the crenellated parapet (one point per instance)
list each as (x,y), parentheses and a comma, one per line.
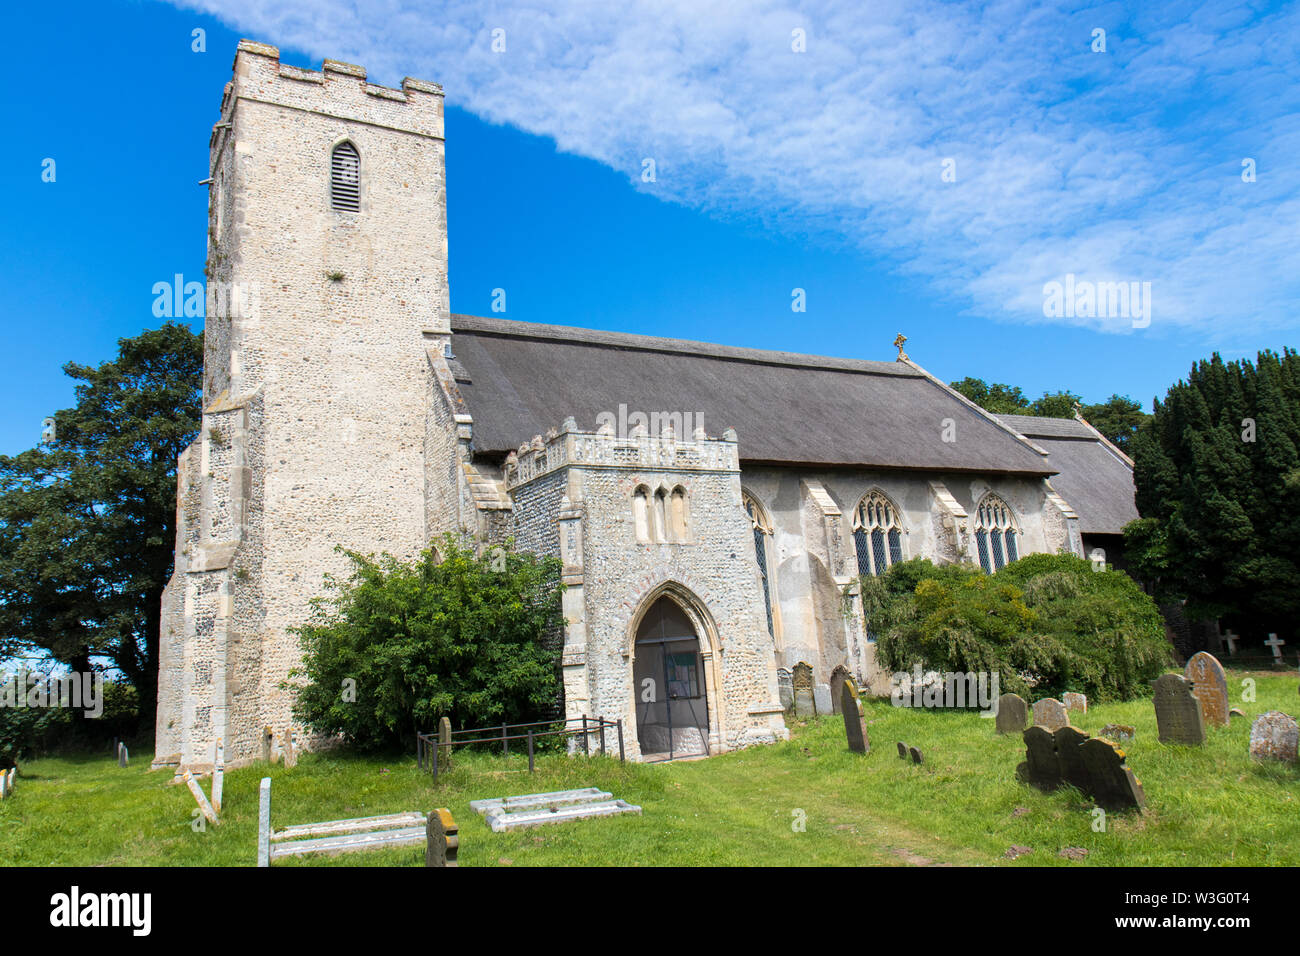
(637,451)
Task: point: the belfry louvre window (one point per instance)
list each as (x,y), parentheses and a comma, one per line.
(995,534)
(345,178)
(877,534)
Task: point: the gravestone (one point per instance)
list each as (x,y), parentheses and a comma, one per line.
(785,687)
(1050,714)
(122,755)
(444,743)
(1069,757)
(822,699)
(1112,783)
(1178,712)
(803,690)
(838,677)
(855,726)
(290,757)
(1041,768)
(1075,702)
(1210,686)
(1274,736)
(916,754)
(1013,714)
(1120,732)
(441,839)
(902,750)
(267,739)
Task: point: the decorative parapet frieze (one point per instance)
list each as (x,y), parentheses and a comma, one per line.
(568,446)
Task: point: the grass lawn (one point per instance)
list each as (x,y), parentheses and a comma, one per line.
(1207,806)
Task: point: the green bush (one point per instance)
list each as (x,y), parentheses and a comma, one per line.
(1045,624)
(473,638)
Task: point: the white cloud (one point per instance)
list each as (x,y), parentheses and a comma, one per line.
(1117,166)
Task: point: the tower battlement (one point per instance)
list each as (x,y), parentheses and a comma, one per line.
(338,89)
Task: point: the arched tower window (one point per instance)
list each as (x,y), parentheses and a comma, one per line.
(345,178)
(877,534)
(641,514)
(762,537)
(995,533)
(660,516)
(677,513)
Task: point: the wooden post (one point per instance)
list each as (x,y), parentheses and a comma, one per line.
(621,755)
(264,823)
(602,735)
(444,742)
(204,806)
(505,744)
(218,774)
(530,750)
(586,751)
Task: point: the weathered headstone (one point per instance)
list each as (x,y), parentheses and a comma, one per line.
(802,681)
(916,754)
(218,773)
(822,699)
(855,726)
(1013,714)
(442,839)
(122,755)
(1111,782)
(1074,701)
(1210,686)
(1119,732)
(1274,736)
(1276,643)
(838,677)
(1236,713)
(264,823)
(204,807)
(902,750)
(1050,714)
(1041,768)
(444,743)
(267,740)
(1070,758)
(1178,712)
(290,757)
(785,687)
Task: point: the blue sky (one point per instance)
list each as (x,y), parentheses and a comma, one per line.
(777,168)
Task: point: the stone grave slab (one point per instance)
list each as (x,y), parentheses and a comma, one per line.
(1274,736)
(1112,782)
(822,699)
(1178,712)
(1013,714)
(1070,759)
(855,726)
(1075,702)
(1210,687)
(1041,768)
(802,683)
(1050,714)
(501,819)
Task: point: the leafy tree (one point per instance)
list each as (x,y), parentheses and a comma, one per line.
(1218,488)
(397,645)
(1118,418)
(1045,624)
(996,398)
(1055,405)
(88,520)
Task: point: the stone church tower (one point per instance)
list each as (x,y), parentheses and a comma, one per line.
(327,279)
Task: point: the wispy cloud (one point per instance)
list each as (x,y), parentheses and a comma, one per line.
(1124,165)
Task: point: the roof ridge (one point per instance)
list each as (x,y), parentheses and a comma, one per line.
(632,341)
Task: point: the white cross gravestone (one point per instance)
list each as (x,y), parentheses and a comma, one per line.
(1231,640)
(1276,643)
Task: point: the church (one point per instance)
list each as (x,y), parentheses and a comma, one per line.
(712,505)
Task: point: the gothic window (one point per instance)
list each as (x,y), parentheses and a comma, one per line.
(660,516)
(677,513)
(345,178)
(641,514)
(995,533)
(762,534)
(877,534)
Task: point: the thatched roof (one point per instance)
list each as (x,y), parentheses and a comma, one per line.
(519,379)
(1094,479)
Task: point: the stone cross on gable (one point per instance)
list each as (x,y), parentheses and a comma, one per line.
(1231,640)
(1276,643)
(898,344)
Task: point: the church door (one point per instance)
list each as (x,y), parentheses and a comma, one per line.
(672,707)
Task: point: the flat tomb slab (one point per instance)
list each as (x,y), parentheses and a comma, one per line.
(355,841)
(357,825)
(535,800)
(500,820)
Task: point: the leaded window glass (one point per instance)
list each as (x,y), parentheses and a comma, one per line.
(877,534)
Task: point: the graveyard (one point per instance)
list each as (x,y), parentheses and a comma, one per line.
(808,801)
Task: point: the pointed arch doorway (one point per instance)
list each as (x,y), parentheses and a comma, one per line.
(672,702)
